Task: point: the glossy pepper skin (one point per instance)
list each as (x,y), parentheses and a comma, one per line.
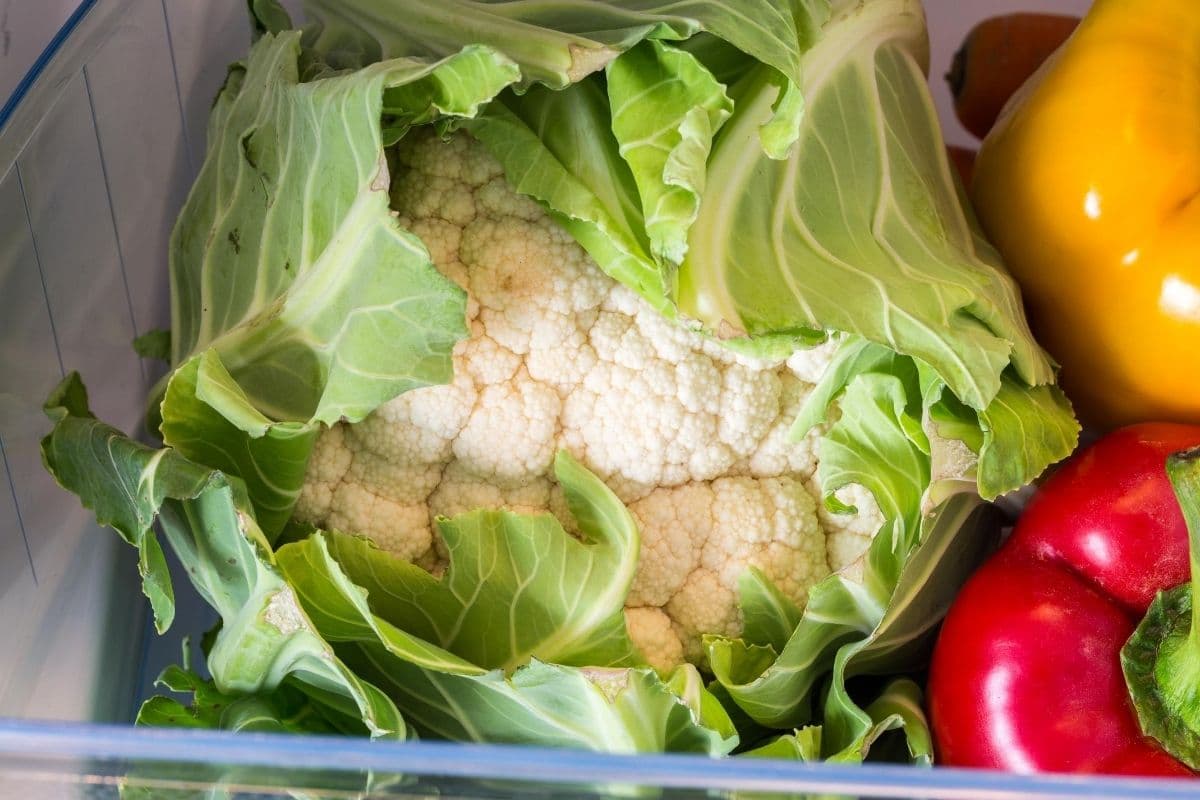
(1088,185)
(1026,674)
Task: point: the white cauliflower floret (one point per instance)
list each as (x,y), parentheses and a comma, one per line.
(327,468)
(400,528)
(511,433)
(462,490)
(777,454)
(848,535)
(655,635)
(484,360)
(417,427)
(749,407)
(698,540)
(692,436)
(809,365)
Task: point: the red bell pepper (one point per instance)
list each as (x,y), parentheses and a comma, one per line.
(1027,672)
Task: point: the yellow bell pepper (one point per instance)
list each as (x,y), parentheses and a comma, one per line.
(1088,185)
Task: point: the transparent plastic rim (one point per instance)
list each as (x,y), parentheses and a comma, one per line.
(43,59)
(27,742)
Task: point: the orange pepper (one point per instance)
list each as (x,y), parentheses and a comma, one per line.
(1088,185)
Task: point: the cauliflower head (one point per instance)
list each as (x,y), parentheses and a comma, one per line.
(691,436)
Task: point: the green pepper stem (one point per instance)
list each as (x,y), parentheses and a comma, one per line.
(1183,470)
(1161,661)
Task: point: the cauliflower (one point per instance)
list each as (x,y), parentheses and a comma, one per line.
(693,437)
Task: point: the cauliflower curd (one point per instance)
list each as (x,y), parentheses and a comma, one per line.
(693,437)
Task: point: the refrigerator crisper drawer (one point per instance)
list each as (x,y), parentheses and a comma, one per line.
(98,145)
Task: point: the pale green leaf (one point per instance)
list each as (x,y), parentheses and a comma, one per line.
(898,708)
(846,632)
(518,586)
(667,150)
(206,518)
(777,689)
(291,267)
(206,416)
(609,709)
(605,709)
(768,615)
(297,298)
(1021,431)
(860,229)
(284,710)
(155,344)
(803,745)
(560,42)
(558,147)
(122,481)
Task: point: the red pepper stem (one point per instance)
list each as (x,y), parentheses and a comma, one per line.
(1161,661)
